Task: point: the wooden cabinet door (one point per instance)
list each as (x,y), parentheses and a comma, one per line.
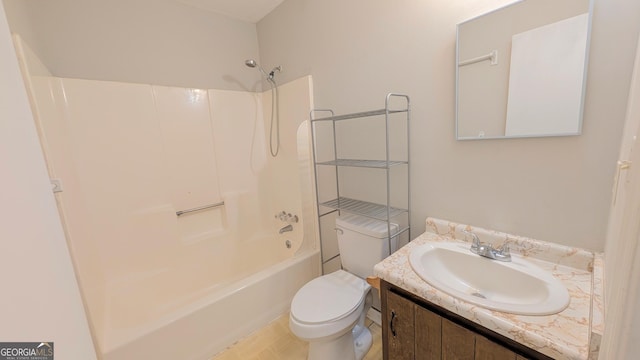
(488,350)
(410,331)
(428,335)
(399,325)
(458,343)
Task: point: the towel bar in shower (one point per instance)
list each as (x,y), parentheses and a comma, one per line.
(178,213)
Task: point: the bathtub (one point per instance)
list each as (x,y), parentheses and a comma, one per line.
(191,311)
(155,284)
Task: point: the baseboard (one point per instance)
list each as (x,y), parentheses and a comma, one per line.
(375,316)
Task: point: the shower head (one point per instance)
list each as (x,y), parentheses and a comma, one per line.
(252,64)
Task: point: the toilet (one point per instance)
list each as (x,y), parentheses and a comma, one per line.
(329,311)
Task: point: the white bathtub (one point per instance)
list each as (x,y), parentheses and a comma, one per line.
(161,286)
(188,312)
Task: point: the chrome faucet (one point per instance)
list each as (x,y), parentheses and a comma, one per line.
(286,229)
(487,250)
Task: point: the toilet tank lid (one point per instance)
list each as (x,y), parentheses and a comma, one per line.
(366,226)
(329,298)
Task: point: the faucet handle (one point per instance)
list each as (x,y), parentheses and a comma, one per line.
(475,244)
(287,217)
(504,249)
(503,253)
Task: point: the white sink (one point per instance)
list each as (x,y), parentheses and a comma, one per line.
(517,287)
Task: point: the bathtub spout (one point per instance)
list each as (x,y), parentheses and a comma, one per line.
(286,229)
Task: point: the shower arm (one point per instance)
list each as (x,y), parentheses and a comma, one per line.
(272,73)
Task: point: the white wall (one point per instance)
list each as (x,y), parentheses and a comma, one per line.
(554,189)
(40,300)
(141,41)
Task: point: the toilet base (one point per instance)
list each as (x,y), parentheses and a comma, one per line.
(353,345)
(362,343)
(342,348)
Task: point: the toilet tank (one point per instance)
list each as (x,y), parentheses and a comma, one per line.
(363,242)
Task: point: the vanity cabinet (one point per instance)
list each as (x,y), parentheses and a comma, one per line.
(413,328)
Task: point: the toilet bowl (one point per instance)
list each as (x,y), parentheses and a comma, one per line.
(329,312)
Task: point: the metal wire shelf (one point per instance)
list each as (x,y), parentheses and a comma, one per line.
(378,164)
(360,115)
(383,212)
(365,208)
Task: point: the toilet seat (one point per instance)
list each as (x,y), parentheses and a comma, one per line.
(329,298)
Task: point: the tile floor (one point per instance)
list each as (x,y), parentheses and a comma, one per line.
(276,342)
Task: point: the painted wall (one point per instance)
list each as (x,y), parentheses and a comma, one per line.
(554,189)
(138,41)
(40,301)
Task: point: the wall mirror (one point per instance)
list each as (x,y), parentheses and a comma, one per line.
(521,70)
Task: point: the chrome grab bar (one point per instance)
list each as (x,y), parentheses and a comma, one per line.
(178,213)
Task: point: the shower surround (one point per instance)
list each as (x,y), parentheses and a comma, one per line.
(129,157)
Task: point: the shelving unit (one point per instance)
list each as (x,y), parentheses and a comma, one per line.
(397,108)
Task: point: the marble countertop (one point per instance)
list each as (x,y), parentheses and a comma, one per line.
(566,335)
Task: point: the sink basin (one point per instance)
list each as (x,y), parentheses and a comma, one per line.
(517,287)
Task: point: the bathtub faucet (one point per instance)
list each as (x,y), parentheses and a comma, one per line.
(286,229)
(287,217)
